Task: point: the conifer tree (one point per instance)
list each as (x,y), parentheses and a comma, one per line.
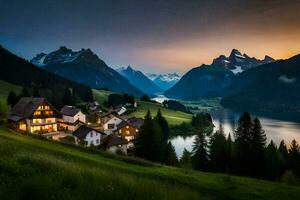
(36,93)
(258,143)
(284,154)
(162,122)
(24,92)
(186,160)
(200,155)
(149,142)
(229,145)
(12,99)
(217,150)
(170,155)
(67,98)
(272,162)
(242,150)
(294,157)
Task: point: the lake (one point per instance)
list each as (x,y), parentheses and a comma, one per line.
(276,129)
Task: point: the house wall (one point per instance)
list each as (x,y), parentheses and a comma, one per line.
(71,119)
(115,121)
(93,137)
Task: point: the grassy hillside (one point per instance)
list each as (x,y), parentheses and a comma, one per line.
(31,168)
(173,117)
(5,88)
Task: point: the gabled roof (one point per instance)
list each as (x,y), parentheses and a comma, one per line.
(113,140)
(26,107)
(69,111)
(83,130)
(122,124)
(105,118)
(136,122)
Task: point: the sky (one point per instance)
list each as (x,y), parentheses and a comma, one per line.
(152,35)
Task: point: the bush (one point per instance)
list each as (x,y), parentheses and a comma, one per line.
(290,178)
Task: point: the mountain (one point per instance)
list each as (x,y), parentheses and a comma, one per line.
(84,67)
(202,82)
(18,71)
(270,87)
(238,62)
(214,80)
(138,79)
(164,81)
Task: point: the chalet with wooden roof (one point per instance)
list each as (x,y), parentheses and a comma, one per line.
(33,115)
(113,144)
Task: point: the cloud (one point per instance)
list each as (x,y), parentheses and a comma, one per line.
(286,79)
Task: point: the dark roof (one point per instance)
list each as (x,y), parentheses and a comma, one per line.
(113,140)
(26,107)
(82,132)
(136,122)
(122,124)
(69,110)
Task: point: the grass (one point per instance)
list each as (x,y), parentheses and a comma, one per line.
(31,168)
(5,88)
(172,116)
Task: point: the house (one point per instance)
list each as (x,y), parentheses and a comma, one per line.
(72,118)
(120,110)
(88,136)
(127,131)
(114,144)
(33,115)
(136,122)
(110,121)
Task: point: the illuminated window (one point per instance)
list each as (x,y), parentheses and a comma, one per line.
(36,113)
(128,132)
(37,121)
(127,127)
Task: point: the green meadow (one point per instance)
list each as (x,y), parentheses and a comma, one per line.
(31,168)
(5,88)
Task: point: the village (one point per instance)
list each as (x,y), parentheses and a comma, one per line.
(110,131)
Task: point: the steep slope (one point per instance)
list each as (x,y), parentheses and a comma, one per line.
(84,67)
(202,82)
(18,71)
(164,81)
(269,87)
(36,169)
(139,80)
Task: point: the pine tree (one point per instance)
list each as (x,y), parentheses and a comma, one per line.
(258,143)
(149,142)
(242,149)
(36,93)
(12,99)
(272,162)
(163,123)
(294,157)
(200,155)
(67,98)
(24,92)
(217,150)
(170,155)
(229,145)
(186,159)
(284,154)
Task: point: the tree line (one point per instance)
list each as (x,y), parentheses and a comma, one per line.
(245,153)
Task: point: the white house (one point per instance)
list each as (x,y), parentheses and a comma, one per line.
(88,136)
(110,121)
(72,118)
(120,110)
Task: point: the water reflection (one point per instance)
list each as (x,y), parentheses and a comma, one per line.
(275,129)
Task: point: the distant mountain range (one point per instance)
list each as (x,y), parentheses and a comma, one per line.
(216,79)
(164,81)
(140,80)
(85,67)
